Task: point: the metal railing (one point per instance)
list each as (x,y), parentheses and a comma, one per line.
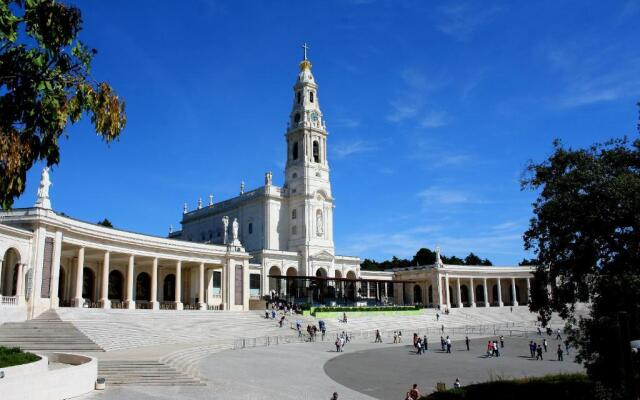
(504,329)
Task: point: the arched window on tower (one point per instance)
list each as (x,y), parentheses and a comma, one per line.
(316,151)
(298,94)
(296,119)
(311,97)
(294,151)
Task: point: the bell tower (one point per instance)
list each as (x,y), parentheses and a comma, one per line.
(307,173)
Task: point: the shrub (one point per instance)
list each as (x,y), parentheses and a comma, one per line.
(14,356)
(562,386)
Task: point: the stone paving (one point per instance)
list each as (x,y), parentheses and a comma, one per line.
(364,371)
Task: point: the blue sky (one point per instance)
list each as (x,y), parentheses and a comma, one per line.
(433,108)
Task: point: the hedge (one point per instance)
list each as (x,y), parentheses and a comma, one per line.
(14,356)
(561,386)
(363,309)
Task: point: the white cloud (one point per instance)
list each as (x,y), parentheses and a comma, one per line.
(435,119)
(403,109)
(436,195)
(346,123)
(460,20)
(345,149)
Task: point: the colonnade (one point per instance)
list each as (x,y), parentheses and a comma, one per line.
(129,302)
(472,290)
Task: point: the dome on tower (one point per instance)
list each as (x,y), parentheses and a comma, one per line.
(305,75)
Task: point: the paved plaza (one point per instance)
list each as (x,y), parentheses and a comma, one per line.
(363,371)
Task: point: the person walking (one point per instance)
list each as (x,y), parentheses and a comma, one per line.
(437,317)
(496,349)
(560,352)
(566,346)
(442,343)
(424,343)
(489,349)
(539,353)
(501,342)
(448,345)
(545,345)
(378,337)
(456,384)
(344,317)
(419,346)
(337,345)
(466,341)
(395,337)
(532,349)
(442,328)
(558,335)
(399,336)
(335,396)
(414,394)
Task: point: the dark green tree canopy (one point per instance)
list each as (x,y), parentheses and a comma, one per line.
(586,237)
(105,222)
(423,256)
(45,84)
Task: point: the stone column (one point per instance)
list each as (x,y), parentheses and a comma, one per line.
(513,292)
(459,293)
(500,304)
(438,288)
(446,288)
(486,292)
(78,301)
(55,270)
(104,291)
(178,294)
(201,304)
(1,269)
(20,285)
(130,303)
(528,291)
(155,305)
(473,293)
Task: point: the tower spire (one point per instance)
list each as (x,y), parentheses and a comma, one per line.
(305,47)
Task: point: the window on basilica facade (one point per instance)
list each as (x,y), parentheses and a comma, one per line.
(298,97)
(250,228)
(294,214)
(316,151)
(296,119)
(311,97)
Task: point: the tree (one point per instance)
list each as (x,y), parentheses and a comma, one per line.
(586,237)
(529,262)
(45,85)
(424,257)
(472,259)
(106,222)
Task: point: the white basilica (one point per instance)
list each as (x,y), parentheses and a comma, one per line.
(270,241)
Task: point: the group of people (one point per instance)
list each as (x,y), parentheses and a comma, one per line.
(287,308)
(341,340)
(536,349)
(312,330)
(420,343)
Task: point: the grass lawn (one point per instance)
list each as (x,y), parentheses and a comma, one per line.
(10,357)
(563,386)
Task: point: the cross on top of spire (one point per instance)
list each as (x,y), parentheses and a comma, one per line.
(305,47)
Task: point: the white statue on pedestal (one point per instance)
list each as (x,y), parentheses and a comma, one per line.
(43,190)
(438,259)
(234,232)
(225,223)
(319,223)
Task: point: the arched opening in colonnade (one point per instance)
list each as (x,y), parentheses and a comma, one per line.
(480,293)
(494,294)
(116,283)
(169,288)
(61,285)
(274,283)
(430,294)
(417,294)
(320,286)
(10,261)
(88,284)
(143,287)
(464,294)
(292,284)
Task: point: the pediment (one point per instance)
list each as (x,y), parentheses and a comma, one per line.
(322,256)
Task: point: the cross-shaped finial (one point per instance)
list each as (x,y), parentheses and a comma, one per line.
(305,47)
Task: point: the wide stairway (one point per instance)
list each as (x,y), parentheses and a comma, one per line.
(47,332)
(128,329)
(144,373)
